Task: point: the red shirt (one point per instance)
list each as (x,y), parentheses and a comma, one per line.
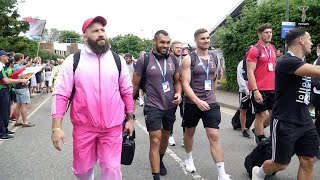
(264,77)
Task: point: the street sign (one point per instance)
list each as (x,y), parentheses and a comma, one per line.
(287,26)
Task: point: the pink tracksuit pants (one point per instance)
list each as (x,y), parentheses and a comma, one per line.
(90,146)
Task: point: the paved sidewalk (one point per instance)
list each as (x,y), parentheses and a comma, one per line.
(227,99)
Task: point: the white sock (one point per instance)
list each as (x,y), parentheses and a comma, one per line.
(261,173)
(220,168)
(189,155)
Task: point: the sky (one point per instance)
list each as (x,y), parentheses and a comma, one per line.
(139,17)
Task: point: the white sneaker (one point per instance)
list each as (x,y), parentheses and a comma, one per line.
(224,177)
(171,141)
(182,144)
(189,165)
(255,171)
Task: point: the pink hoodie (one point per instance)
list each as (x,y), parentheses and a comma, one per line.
(101,99)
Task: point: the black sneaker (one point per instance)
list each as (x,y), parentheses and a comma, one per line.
(11,132)
(245,134)
(163,169)
(6,137)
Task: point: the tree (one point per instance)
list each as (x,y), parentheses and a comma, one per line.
(69,37)
(238,35)
(10,25)
(130,44)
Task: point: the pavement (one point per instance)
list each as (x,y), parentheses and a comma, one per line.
(228,99)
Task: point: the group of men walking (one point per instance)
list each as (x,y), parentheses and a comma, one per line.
(101,90)
(280,94)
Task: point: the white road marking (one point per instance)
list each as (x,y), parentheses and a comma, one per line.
(228,111)
(195,175)
(15,128)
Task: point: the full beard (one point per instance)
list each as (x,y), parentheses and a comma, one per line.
(98,48)
(161,52)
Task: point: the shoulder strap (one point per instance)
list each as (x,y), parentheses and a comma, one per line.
(76,59)
(259,51)
(116,58)
(175,61)
(193,59)
(145,62)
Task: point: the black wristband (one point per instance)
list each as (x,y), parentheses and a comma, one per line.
(254,90)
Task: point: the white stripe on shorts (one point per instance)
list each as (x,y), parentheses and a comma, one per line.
(274,138)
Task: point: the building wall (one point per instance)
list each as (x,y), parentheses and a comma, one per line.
(62,49)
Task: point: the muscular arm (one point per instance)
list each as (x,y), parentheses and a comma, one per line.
(308,70)
(135,82)
(186,78)
(251,67)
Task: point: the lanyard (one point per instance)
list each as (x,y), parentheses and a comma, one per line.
(163,73)
(206,70)
(180,60)
(268,54)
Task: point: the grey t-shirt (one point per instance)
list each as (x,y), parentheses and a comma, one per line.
(155,95)
(198,77)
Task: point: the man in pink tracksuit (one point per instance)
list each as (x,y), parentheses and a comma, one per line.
(101,101)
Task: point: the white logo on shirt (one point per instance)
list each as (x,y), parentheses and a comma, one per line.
(170,66)
(153,67)
(263,55)
(200,64)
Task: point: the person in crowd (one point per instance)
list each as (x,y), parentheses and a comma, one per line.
(99,107)
(260,71)
(13,97)
(48,82)
(22,93)
(55,72)
(292,130)
(279,53)
(199,75)
(130,63)
(5,134)
(163,94)
(244,99)
(176,50)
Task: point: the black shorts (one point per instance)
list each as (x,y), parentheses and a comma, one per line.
(289,139)
(267,104)
(192,115)
(244,101)
(39,78)
(157,119)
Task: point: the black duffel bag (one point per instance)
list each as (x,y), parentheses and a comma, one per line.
(128,147)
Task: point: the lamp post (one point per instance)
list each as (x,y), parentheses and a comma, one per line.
(287,20)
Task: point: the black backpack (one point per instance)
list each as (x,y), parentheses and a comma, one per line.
(235,121)
(193,56)
(146,59)
(76,58)
(244,67)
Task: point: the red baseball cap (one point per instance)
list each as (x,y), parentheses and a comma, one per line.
(89,21)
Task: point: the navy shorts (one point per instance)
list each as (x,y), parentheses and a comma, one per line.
(289,139)
(157,119)
(192,115)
